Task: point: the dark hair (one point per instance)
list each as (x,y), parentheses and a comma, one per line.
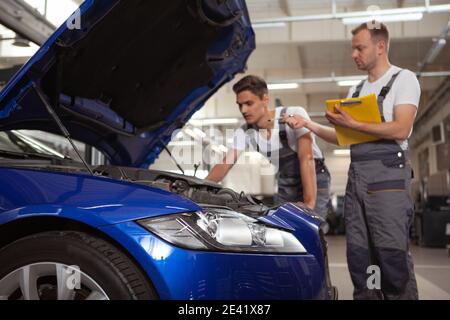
(378,31)
(254,84)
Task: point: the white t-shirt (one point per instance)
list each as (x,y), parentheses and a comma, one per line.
(404,90)
(243,139)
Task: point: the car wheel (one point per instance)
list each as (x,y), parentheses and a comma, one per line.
(69,265)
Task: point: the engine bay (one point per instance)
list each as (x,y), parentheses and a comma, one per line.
(202,192)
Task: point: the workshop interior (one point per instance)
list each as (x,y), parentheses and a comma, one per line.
(114,115)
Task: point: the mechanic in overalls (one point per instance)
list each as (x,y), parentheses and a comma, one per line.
(302,175)
(378,206)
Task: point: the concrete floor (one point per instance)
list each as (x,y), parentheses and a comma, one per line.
(432,268)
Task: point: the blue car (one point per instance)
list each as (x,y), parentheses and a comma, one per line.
(121,76)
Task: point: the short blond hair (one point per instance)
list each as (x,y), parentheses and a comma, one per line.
(378,31)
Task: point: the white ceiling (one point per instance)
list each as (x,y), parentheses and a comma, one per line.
(305,49)
(320,48)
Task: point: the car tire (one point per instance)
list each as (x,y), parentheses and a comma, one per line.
(103,267)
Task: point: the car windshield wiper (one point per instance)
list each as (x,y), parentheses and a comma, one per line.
(27,155)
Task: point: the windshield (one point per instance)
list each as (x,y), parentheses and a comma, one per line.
(17,142)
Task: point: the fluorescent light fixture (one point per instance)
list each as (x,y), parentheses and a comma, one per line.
(383,18)
(348,83)
(213,121)
(201,174)
(269,25)
(219,149)
(282,86)
(223,148)
(341,152)
(179,135)
(435,50)
(199,132)
(57,10)
(182,143)
(190,133)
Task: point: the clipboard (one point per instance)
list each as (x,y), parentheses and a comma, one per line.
(364,109)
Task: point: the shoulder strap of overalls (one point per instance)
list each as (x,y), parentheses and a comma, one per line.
(383,93)
(282,130)
(285,150)
(358,89)
(252,139)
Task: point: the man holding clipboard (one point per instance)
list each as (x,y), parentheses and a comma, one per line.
(378,206)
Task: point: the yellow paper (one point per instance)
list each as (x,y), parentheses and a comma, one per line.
(363,109)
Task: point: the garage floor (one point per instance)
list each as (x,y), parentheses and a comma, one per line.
(432,268)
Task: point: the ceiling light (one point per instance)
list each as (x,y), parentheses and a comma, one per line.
(190,133)
(18,41)
(223,148)
(182,143)
(213,121)
(282,86)
(201,174)
(219,148)
(341,152)
(269,25)
(435,50)
(348,83)
(199,132)
(179,135)
(383,18)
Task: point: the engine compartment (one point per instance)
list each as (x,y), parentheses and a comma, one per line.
(202,192)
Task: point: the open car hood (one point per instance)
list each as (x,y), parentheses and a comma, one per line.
(132,74)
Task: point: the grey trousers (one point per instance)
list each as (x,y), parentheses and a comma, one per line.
(378,212)
(323,193)
(290,190)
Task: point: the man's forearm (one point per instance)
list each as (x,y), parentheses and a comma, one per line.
(386,130)
(309,184)
(218,172)
(326,133)
(398,129)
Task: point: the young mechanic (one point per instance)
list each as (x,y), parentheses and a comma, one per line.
(302,175)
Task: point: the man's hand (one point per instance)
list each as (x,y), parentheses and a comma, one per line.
(398,129)
(294,121)
(304,204)
(220,170)
(341,118)
(308,205)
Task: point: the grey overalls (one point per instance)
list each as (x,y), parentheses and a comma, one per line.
(288,176)
(378,213)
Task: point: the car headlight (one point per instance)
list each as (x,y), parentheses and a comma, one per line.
(217,229)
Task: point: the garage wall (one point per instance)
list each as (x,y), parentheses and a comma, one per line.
(338,166)
(427,143)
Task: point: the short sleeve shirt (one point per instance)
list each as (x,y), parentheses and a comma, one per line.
(243,138)
(404,90)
